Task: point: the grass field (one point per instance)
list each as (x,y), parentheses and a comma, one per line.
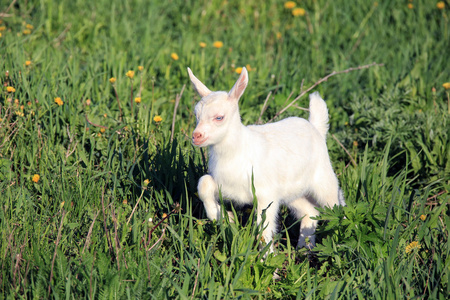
(98,199)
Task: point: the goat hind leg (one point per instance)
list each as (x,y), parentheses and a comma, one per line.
(304,209)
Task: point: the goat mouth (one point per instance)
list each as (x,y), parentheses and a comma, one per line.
(199,143)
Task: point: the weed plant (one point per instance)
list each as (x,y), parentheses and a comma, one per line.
(98,190)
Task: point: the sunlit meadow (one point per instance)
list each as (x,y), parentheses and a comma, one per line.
(98,175)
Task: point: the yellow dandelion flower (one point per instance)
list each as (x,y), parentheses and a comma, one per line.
(423,217)
(112,80)
(446,85)
(28,63)
(202,44)
(410,5)
(26,31)
(440,5)
(130,74)
(137,99)
(22,107)
(105,115)
(278,34)
(88,102)
(102,130)
(174,56)
(355,144)
(298,12)
(238,70)
(218,44)
(249,68)
(59,101)
(412,246)
(140,68)
(289,4)
(164,215)
(29,26)
(157,119)
(35,178)
(10,89)
(2,28)
(19,113)
(146,182)
(0,34)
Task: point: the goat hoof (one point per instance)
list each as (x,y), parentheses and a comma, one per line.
(275,275)
(231,216)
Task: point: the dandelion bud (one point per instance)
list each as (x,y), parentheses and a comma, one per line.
(130,74)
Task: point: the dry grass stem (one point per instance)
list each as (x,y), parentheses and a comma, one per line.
(263,109)
(159,239)
(58,238)
(88,237)
(93,124)
(177,102)
(334,73)
(345,149)
(134,208)
(196,279)
(116,236)
(108,238)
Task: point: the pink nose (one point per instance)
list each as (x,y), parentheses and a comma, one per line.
(197,136)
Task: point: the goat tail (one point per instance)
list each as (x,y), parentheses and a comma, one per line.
(318,113)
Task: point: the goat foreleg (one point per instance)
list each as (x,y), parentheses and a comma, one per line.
(208,192)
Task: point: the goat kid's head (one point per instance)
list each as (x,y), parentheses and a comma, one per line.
(216,111)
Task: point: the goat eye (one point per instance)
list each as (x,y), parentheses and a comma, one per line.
(219,118)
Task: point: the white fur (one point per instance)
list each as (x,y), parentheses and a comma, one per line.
(288,159)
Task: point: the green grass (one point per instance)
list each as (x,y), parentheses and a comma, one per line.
(115,213)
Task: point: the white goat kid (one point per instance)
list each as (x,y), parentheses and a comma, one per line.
(288,160)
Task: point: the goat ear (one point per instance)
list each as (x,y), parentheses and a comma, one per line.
(201,89)
(240,85)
